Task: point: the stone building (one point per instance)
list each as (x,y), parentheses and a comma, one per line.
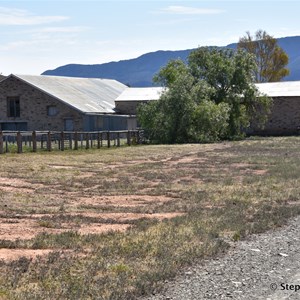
(283,120)
(60,103)
(285,114)
(88,104)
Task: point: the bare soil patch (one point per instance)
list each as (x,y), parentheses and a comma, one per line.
(24,228)
(15,254)
(247,168)
(29,226)
(186,160)
(18,185)
(122,200)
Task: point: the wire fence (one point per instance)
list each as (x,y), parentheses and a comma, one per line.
(33,141)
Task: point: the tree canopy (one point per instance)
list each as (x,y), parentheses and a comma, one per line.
(209,98)
(271,60)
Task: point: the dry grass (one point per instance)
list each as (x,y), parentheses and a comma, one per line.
(115,223)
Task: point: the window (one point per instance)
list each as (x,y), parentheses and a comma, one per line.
(13,107)
(52,110)
(98,122)
(69,124)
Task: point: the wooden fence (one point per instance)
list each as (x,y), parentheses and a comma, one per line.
(32,141)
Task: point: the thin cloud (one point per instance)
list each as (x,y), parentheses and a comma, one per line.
(38,46)
(10,16)
(66,29)
(30,45)
(186,10)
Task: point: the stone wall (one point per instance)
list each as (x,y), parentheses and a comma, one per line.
(33,107)
(284,118)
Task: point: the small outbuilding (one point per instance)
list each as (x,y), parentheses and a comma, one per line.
(130,98)
(128,101)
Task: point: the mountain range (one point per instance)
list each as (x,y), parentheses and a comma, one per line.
(139,72)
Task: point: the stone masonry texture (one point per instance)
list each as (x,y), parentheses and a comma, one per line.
(33,107)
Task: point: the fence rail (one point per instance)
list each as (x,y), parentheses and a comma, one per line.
(21,141)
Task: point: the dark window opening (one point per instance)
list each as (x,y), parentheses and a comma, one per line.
(13,107)
(52,110)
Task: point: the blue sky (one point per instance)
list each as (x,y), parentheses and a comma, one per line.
(45,34)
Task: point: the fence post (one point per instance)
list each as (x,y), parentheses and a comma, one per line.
(118,139)
(87,141)
(108,139)
(48,141)
(98,140)
(70,141)
(1,143)
(138,137)
(6,144)
(129,138)
(62,141)
(33,141)
(19,142)
(76,140)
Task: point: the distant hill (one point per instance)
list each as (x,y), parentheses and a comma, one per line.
(138,72)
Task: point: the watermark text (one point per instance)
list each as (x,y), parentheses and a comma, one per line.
(285,287)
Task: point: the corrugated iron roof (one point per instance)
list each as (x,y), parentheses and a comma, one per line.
(272,89)
(280,89)
(141,94)
(88,95)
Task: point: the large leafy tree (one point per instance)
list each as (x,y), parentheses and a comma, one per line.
(271,59)
(211,97)
(168,119)
(184,112)
(229,73)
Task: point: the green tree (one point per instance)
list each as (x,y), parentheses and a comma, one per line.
(210,121)
(229,74)
(271,59)
(169,119)
(168,74)
(211,97)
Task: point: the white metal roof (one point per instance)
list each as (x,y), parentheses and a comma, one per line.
(88,95)
(141,94)
(280,89)
(272,89)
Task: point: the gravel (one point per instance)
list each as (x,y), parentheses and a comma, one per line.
(265,266)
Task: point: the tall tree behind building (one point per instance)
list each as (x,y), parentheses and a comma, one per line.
(271,60)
